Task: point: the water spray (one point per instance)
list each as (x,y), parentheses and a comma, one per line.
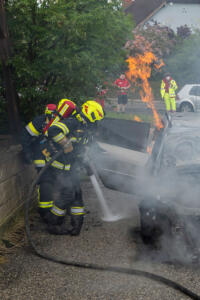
(107,215)
(82,265)
(94,178)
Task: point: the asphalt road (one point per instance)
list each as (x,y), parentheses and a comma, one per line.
(28,277)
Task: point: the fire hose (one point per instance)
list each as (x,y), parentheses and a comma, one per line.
(92,266)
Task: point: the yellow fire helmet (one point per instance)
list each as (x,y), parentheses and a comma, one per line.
(92,110)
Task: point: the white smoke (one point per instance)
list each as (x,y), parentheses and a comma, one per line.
(174,188)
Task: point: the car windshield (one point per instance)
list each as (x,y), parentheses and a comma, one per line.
(181,143)
(177,164)
(181,146)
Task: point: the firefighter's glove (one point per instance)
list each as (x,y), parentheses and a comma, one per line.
(66,144)
(68,148)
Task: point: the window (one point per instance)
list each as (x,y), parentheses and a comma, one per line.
(195,91)
(198,91)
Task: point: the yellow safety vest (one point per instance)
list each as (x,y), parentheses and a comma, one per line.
(172,88)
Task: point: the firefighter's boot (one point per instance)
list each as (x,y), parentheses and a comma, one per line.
(58,229)
(76,222)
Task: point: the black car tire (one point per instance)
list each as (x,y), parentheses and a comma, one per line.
(155,220)
(186,107)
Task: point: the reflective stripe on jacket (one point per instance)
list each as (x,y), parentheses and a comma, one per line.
(40,163)
(45,204)
(32,130)
(70,128)
(61,135)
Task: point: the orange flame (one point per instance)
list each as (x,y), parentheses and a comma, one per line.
(137,119)
(160,64)
(140,69)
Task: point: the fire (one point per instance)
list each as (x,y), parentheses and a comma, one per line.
(140,70)
(137,119)
(160,64)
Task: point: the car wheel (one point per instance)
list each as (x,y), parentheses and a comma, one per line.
(154,221)
(186,107)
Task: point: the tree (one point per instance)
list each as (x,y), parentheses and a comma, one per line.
(7,80)
(184,63)
(161,40)
(179,51)
(63,48)
(184,32)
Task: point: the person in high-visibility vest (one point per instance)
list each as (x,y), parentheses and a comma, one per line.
(168,92)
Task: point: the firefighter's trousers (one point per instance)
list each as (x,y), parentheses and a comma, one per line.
(60,194)
(170,103)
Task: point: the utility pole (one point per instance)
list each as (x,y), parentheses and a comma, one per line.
(10,91)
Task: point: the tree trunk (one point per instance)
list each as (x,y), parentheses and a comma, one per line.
(13,115)
(10,91)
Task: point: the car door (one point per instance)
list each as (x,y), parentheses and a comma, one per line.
(198,97)
(192,95)
(122,153)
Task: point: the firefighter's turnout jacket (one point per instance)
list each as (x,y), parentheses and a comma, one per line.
(62,177)
(168,93)
(31,136)
(49,144)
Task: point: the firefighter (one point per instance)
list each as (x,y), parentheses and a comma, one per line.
(60,191)
(33,135)
(65,109)
(33,131)
(168,92)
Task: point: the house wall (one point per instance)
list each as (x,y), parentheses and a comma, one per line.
(15,180)
(142,9)
(176,15)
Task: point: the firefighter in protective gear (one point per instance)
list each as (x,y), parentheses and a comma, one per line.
(92,111)
(168,92)
(65,109)
(33,131)
(62,194)
(33,135)
(39,126)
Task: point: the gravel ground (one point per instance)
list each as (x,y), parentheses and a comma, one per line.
(28,277)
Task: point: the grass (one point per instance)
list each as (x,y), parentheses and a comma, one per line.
(129,116)
(13,235)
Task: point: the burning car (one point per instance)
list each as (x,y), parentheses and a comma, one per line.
(166,180)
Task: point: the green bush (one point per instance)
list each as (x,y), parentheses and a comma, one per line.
(63,49)
(184,63)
